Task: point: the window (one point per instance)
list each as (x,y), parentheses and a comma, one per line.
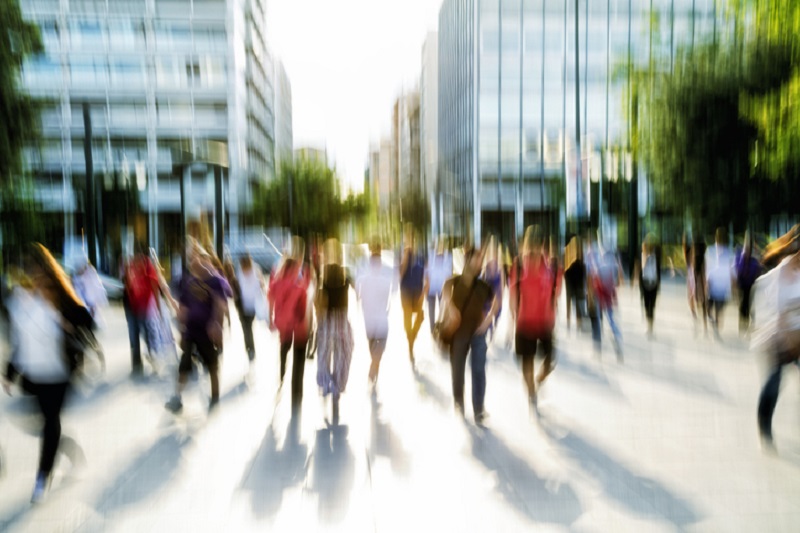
(127,73)
(87,72)
(87,34)
(126,35)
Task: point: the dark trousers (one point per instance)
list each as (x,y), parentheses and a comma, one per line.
(247,329)
(649,299)
(744,305)
(137,326)
(475,345)
(50,398)
(412,305)
(209,356)
(298,364)
(768,398)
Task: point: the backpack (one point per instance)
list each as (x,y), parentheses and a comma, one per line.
(650,272)
(414,278)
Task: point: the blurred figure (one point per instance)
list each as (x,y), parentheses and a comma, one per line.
(575,280)
(696,280)
(649,277)
(374,288)
(493,275)
(48,327)
(605,275)
(468,297)
(747,271)
(142,287)
(413,288)
(288,311)
(248,290)
(719,278)
(334,334)
(90,290)
(201,314)
(776,324)
(440,269)
(533,290)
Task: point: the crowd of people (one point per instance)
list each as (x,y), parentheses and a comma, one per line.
(305,300)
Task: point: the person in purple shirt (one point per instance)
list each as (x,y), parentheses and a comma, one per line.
(202,310)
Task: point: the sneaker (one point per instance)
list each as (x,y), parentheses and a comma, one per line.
(39,488)
(481,417)
(174,404)
(212,404)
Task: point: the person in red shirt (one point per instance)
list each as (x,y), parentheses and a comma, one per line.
(141,287)
(533,292)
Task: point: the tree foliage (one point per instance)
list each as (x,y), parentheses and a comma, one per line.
(18,39)
(719,131)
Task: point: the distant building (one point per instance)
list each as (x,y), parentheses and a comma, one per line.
(312,154)
(406,144)
(164,83)
(429,126)
(284,144)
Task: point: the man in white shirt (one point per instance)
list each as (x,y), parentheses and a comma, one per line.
(374,288)
(719,277)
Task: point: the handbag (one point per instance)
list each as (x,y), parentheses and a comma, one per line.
(449,320)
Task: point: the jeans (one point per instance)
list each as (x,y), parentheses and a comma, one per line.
(597,326)
(461,345)
(247,329)
(209,356)
(298,365)
(137,326)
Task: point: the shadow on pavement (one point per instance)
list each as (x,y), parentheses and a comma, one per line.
(387,443)
(689,381)
(334,472)
(567,363)
(273,471)
(641,495)
(148,474)
(540,500)
(429,389)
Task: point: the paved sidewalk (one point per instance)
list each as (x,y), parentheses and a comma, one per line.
(665,441)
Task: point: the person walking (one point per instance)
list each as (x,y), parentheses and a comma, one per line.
(467,297)
(201,314)
(776,325)
(493,274)
(413,288)
(533,291)
(440,269)
(720,275)
(747,271)
(575,280)
(649,278)
(334,334)
(49,324)
(374,288)
(289,314)
(90,290)
(248,290)
(605,275)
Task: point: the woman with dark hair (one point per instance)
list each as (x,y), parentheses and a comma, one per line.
(49,324)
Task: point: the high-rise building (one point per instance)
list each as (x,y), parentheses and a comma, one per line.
(284,144)
(173,91)
(429,120)
(510,146)
(406,143)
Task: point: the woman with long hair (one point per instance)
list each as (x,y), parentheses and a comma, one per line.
(335,336)
(48,327)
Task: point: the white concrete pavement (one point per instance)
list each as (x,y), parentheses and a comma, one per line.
(666,441)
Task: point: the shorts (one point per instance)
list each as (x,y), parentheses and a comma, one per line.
(526,345)
(207,353)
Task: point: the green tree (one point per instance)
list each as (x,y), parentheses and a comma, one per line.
(18,118)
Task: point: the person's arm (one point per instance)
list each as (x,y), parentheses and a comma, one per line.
(489,318)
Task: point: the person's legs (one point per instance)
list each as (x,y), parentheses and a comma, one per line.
(210,358)
(615,330)
(247,330)
(595,315)
(649,308)
(570,297)
(184,369)
(458,365)
(135,341)
(477,360)
(548,363)
(420,316)
(432,298)
(767,401)
(286,344)
(50,398)
(376,349)
(407,304)
(298,370)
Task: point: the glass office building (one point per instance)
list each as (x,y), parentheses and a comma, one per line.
(509,151)
(163,83)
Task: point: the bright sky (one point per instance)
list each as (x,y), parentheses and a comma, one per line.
(347,61)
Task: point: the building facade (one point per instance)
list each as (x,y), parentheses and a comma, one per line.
(429,120)
(284,137)
(170,92)
(524,128)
